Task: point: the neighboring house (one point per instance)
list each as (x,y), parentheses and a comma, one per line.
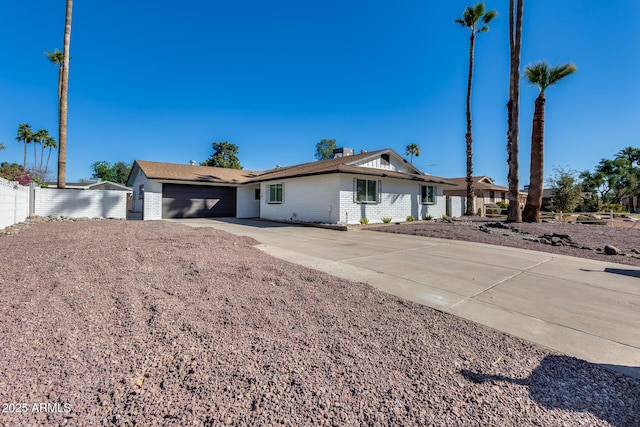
(343,190)
(484,190)
(631,203)
(91,185)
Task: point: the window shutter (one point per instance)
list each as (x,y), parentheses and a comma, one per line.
(379,191)
(355,190)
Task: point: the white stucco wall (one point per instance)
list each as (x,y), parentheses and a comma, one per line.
(456,205)
(308,199)
(14,203)
(398,199)
(80,203)
(247,206)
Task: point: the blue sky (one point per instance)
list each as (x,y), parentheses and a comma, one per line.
(159,80)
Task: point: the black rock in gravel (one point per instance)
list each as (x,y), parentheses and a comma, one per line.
(611,250)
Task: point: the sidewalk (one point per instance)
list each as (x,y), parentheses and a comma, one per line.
(587,309)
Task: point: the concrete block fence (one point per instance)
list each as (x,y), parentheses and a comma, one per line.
(14,203)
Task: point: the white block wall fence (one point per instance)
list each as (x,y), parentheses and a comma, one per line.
(14,203)
(80,203)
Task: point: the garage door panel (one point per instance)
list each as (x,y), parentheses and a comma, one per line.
(189,201)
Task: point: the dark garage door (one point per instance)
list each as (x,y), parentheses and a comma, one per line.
(197,201)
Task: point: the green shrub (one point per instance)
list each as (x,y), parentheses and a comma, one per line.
(503,205)
(444,216)
(410,218)
(386,220)
(364,221)
(613,207)
(427,217)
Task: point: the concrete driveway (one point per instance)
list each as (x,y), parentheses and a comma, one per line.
(588,309)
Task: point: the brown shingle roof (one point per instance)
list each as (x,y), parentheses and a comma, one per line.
(179,172)
(343,165)
(461,184)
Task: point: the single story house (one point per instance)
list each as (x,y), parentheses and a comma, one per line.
(341,190)
(484,190)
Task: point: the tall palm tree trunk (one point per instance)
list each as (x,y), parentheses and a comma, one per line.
(41,157)
(536,175)
(513,108)
(24,162)
(64,89)
(469,138)
(46,167)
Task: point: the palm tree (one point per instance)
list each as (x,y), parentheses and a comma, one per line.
(64,89)
(25,134)
(514,213)
(49,143)
(57,57)
(412,149)
(476,19)
(632,154)
(543,76)
(38,138)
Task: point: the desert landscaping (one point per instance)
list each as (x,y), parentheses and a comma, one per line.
(154,323)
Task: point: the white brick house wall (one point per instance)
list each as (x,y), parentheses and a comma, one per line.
(14,203)
(308,199)
(80,203)
(151,202)
(398,199)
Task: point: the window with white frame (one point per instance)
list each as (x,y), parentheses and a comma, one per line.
(276,193)
(141,192)
(366,191)
(427,194)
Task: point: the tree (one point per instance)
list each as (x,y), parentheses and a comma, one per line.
(63,104)
(117,172)
(476,19)
(225,155)
(49,143)
(56,57)
(324,148)
(412,150)
(543,76)
(513,108)
(565,190)
(39,138)
(614,179)
(15,172)
(25,134)
(632,154)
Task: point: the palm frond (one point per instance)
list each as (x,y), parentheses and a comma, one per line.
(479,10)
(560,72)
(489,16)
(538,74)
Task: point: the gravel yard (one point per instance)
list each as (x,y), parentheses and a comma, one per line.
(155,323)
(589,239)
